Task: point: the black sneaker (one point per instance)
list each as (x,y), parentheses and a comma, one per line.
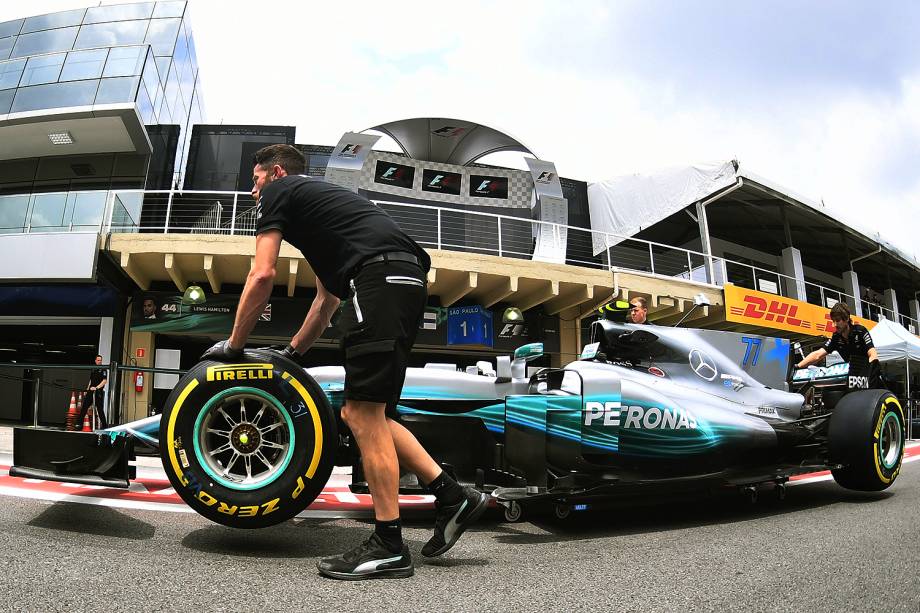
(451,521)
(369,560)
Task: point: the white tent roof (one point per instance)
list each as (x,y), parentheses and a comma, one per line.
(894,342)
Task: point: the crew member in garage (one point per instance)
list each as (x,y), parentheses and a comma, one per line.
(98,378)
(359,253)
(854,344)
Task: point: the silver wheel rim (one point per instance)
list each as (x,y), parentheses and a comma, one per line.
(244,441)
(890,441)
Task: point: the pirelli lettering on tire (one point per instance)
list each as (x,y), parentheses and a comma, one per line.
(240,372)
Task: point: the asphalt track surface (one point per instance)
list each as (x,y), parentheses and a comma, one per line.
(822,549)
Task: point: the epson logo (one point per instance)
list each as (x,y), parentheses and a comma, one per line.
(855,382)
(611,413)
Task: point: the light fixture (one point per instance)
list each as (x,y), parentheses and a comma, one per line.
(60,138)
(512,315)
(193,295)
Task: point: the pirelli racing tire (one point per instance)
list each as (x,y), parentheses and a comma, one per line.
(866,436)
(248,444)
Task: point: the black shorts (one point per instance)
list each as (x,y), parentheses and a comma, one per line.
(378,329)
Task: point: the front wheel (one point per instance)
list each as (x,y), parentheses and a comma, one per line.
(248,445)
(866,436)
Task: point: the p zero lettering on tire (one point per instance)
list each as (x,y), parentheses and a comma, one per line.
(248,444)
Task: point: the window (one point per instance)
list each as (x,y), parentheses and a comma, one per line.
(53,20)
(10,73)
(120,89)
(54,95)
(10,28)
(125,62)
(88,208)
(84,65)
(6,47)
(46,41)
(48,211)
(13,211)
(42,69)
(6,100)
(119,12)
(111,34)
(169,9)
(162,35)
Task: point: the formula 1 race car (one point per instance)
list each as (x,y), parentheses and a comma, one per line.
(645,409)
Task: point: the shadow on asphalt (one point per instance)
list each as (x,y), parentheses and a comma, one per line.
(673,514)
(307,538)
(94,520)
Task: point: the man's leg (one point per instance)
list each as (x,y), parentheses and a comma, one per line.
(100,411)
(458,507)
(368,424)
(384,554)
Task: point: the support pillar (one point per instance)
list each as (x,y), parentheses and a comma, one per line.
(851,287)
(703,222)
(891,302)
(569,348)
(914,306)
(791,266)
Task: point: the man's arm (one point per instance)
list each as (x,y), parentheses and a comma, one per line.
(811,358)
(258,287)
(317,319)
(102,384)
(873,354)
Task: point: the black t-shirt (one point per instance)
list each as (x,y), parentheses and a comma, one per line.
(96,376)
(853,349)
(334,228)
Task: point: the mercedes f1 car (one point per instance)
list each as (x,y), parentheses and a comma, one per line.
(645,409)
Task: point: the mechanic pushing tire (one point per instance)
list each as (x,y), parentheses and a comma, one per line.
(866,436)
(248,444)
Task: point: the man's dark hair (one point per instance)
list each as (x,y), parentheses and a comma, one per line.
(840,312)
(641,300)
(286,156)
(98,355)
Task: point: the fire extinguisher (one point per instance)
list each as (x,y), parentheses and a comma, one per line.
(138,382)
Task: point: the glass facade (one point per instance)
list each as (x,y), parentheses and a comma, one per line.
(141,53)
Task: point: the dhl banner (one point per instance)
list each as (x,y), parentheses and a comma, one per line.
(749,306)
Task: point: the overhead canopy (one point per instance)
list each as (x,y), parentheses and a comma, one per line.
(747,208)
(626,205)
(448,141)
(894,342)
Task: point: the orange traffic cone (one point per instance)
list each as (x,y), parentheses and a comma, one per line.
(88,419)
(70,421)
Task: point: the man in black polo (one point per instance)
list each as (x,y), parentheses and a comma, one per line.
(98,377)
(854,344)
(357,251)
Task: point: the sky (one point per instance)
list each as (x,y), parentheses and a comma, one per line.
(820,97)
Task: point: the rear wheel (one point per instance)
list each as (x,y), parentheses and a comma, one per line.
(248,445)
(866,436)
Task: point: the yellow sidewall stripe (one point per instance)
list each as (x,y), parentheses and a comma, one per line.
(317,424)
(171,426)
(878,429)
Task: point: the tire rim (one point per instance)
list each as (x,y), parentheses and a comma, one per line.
(890,441)
(244,438)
